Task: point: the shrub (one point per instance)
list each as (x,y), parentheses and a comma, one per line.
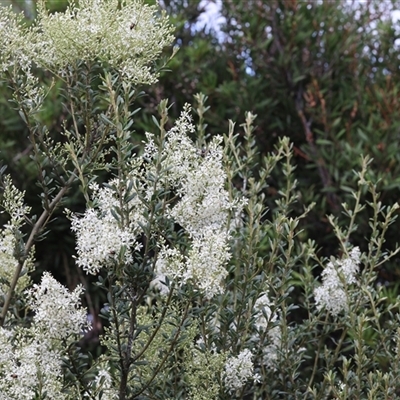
(210,293)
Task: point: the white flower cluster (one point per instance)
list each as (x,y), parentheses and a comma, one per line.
(202,209)
(102,386)
(13,39)
(13,203)
(271,351)
(198,178)
(127,35)
(263,320)
(100,237)
(263,314)
(28,368)
(10,235)
(17,56)
(30,358)
(332,294)
(204,265)
(57,311)
(238,370)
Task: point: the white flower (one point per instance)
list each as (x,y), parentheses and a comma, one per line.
(204,266)
(349,267)
(271,351)
(263,319)
(30,358)
(17,57)
(102,385)
(206,263)
(8,262)
(99,241)
(128,36)
(99,236)
(199,179)
(238,370)
(29,366)
(10,239)
(58,313)
(203,207)
(13,203)
(262,309)
(14,53)
(332,294)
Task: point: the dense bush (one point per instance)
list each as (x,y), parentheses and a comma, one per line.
(218,262)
